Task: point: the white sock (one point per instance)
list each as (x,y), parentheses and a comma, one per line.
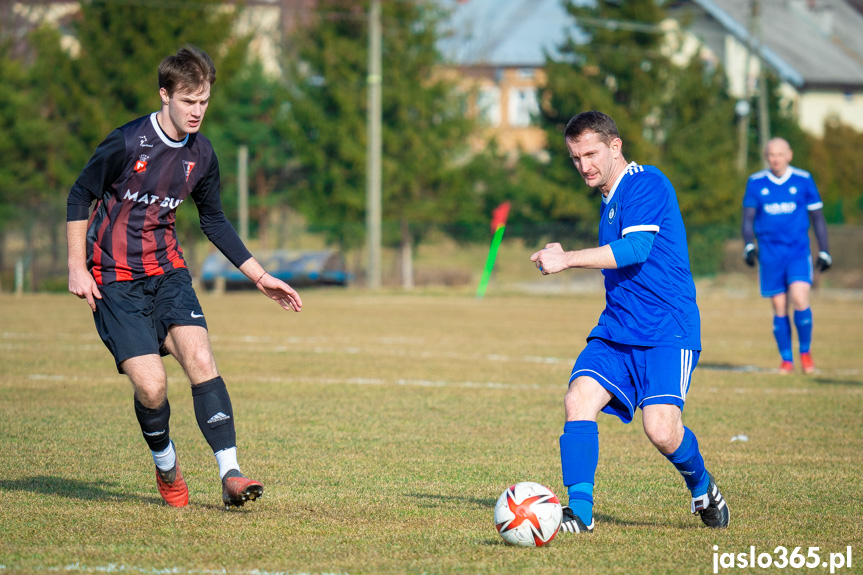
(167,459)
(227,460)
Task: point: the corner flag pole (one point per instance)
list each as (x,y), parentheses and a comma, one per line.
(498,226)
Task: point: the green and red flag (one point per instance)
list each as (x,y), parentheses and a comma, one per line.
(498,226)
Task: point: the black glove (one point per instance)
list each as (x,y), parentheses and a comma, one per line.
(750,254)
(824,262)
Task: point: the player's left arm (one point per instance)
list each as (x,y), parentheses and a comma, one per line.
(270,286)
(219,230)
(642,211)
(819,225)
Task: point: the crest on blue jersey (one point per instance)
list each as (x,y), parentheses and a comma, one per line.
(612,211)
(792,190)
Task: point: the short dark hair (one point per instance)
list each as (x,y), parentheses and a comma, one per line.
(189,69)
(593,121)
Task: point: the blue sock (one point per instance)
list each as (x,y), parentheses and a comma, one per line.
(579,456)
(688,461)
(581,501)
(803,323)
(782,333)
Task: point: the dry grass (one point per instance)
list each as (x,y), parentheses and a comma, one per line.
(384,427)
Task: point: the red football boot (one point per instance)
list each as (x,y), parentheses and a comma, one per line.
(172,486)
(237,489)
(807,363)
(786,368)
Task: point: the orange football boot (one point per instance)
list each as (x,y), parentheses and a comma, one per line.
(807,363)
(237,489)
(172,486)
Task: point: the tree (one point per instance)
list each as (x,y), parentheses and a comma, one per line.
(109,79)
(425,129)
(678,117)
(249,112)
(621,72)
(838,171)
(35,154)
(698,145)
(326,120)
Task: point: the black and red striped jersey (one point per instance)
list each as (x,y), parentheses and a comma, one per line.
(138,177)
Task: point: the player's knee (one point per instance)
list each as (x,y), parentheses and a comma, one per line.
(151,394)
(663,434)
(200,363)
(580,403)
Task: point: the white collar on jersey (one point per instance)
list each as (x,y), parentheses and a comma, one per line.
(779,181)
(606,199)
(163,136)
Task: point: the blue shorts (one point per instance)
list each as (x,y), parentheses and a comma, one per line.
(776,276)
(637,376)
(133,317)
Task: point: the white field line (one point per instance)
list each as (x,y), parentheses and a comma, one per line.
(397,350)
(323,381)
(119,568)
(287,344)
(401,382)
(755,390)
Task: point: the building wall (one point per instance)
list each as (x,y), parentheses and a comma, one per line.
(814,107)
(811,106)
(506,98)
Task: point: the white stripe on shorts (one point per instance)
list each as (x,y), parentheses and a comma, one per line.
(685,371)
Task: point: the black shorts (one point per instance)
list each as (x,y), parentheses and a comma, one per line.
(133,317)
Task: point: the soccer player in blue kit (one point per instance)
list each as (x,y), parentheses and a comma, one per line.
(126,262)
(648,339)
(777,207)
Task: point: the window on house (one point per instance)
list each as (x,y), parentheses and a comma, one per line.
(488,104)
(523,104)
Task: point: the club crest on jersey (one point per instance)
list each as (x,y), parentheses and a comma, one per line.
(764,191)
(141,164)
(792,190)
(612,211)
(187,168)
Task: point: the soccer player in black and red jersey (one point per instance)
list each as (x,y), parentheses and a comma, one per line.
(124,259)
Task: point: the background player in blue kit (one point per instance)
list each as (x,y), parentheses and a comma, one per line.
(777,207)
(126,262)
(648,339)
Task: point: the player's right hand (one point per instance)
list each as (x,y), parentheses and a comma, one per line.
(82,284)
(750,254)
(550,259)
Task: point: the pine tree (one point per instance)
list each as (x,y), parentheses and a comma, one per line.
(110,78)
(678,118)
(248,113)
(424,127)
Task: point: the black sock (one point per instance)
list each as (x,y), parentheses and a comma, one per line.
(154,425)
(214,414)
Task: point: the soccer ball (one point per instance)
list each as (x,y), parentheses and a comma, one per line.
(528,514)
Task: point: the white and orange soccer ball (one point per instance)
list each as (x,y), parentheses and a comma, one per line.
(528,514)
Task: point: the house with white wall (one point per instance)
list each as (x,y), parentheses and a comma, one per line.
(815,47)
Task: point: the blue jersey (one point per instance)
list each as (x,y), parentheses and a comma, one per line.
(782,212)
(652,303)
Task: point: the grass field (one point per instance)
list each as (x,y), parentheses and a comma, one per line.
(385,427)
